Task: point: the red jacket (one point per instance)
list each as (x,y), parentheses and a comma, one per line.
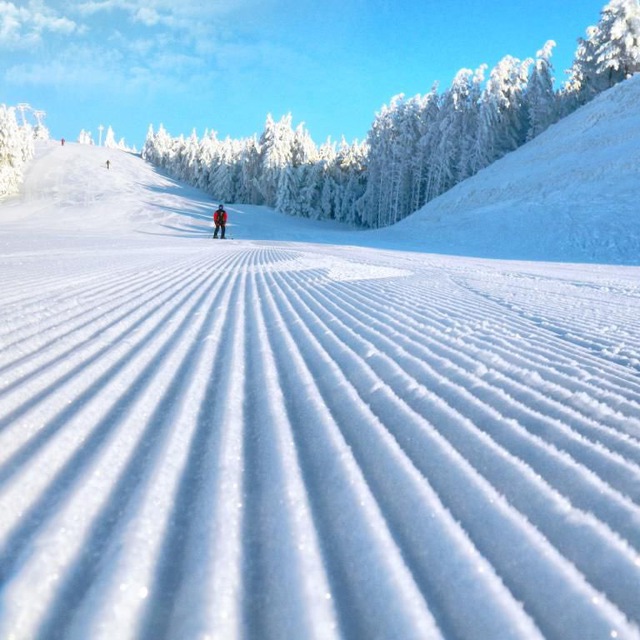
(220,216)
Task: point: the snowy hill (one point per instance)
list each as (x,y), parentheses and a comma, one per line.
(571,194)
(298,434)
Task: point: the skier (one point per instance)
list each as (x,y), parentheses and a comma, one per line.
(108,164)
(220,220)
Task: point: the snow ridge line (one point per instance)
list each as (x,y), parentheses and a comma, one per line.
(563,576)
(626,559)
(379,573)
(79,298)
(500,615)
(531,340)
(584,433)
(247,448)
(521,352)
(298,602)
(106,430)
(573,331)
(466,393)
(80,356)
(29,288)
(60,333)
(148,599)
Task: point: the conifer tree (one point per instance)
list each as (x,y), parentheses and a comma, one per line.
(16,148)
(609,54)
(540,98)
(617,49)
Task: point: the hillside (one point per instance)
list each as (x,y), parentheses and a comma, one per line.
(299,434)
(570,195)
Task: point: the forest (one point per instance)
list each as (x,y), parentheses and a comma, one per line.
(416,148)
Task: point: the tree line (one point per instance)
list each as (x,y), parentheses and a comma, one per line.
(417,148)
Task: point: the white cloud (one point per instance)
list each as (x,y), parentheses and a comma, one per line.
(151,49)
(169,11)
(96,6)
(79,67)
(10,22)
(193,23)
(90,70)
(147,16)
(54,24)
(22,27)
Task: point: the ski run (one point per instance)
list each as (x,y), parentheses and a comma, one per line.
(300,434)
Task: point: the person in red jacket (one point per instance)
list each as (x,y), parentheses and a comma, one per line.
(220,220)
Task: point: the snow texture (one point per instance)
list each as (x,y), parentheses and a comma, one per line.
(312,432)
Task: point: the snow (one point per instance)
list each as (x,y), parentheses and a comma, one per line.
(314,432)
(570,195)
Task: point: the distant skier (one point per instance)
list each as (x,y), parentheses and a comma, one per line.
(220,220)
(108,164)
(62,142)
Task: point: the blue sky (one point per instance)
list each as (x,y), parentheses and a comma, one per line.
(224,64)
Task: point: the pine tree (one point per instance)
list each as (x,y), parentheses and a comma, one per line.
(470,123)
(110,139)
(425,157)
(618,47)
(540,97)
(16,148)
(503,118)
(303,152)
(207,151)
(382,171)
(275,155)
(85,137)
(249,171)
(609,54)
(350,174)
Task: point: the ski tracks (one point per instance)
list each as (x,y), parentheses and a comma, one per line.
(260,442)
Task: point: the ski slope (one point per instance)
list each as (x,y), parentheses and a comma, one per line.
(298,434)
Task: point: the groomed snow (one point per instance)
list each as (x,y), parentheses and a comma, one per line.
(299,434)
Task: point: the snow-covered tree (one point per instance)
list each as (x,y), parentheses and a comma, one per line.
(383,166)
(223,176)
(204,161)
(276,144)
(294,176)
(540,98)
(504,97)
(469,123)
(85,137)
(457,127)
(41,132)
(110,139)
(609,54)
(425,156)
(16,148)
(157,147)
(618,43)
(248,189)
(351,162)
(186,169)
